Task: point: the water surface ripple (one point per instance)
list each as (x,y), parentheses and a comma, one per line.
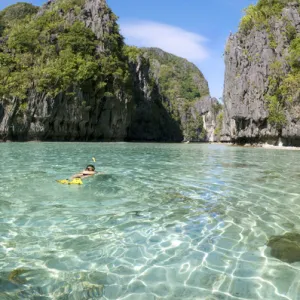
(165,221)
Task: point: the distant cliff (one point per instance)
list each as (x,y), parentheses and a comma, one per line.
(262,77)
(184,94)
(66,74)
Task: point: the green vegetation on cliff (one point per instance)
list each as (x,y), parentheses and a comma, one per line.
(181,84)
(219,121)
(284,81)
(52,54)
(16,13)
(258,15)
(194,128)
(177,78)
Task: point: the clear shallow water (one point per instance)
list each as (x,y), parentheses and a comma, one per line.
(165,221)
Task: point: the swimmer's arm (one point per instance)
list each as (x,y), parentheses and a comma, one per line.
(79,175)
(88,172)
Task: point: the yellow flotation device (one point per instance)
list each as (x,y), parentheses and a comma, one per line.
(74,181)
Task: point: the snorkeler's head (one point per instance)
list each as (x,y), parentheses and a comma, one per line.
(90,168)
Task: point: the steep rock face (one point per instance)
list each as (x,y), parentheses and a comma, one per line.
(256,103)
(150,120)
(65,118)
(123,100)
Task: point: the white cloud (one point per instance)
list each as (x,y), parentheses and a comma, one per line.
(169,38)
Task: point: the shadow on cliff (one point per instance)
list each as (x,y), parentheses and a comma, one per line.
(150,120)
(1,112)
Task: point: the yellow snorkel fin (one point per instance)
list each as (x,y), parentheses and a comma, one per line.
(74,181)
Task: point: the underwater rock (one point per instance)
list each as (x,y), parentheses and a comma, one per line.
(14,276)
(285,247)
(80,290)
(92,290)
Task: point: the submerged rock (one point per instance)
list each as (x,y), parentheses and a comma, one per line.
(14,276)
(285,247)
(80,290)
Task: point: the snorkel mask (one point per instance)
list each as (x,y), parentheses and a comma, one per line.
(90,166)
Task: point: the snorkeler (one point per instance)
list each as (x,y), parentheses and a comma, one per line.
(89,171)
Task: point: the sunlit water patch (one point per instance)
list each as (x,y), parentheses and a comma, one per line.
(164,221)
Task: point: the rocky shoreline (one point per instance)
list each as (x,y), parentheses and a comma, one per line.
(229,144)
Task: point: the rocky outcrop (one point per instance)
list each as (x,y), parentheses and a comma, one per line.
(257,108)
(80,113)
(129,102)
(209,108)
(285,247)
(65,118)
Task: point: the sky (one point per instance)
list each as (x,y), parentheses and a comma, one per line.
(195,29)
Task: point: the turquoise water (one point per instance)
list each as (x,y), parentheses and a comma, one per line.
(164,221)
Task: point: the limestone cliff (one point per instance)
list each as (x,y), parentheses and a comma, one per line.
(262,82)
(67,75)
(67,96)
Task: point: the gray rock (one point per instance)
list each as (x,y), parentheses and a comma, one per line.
(285,247)
(248,59)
